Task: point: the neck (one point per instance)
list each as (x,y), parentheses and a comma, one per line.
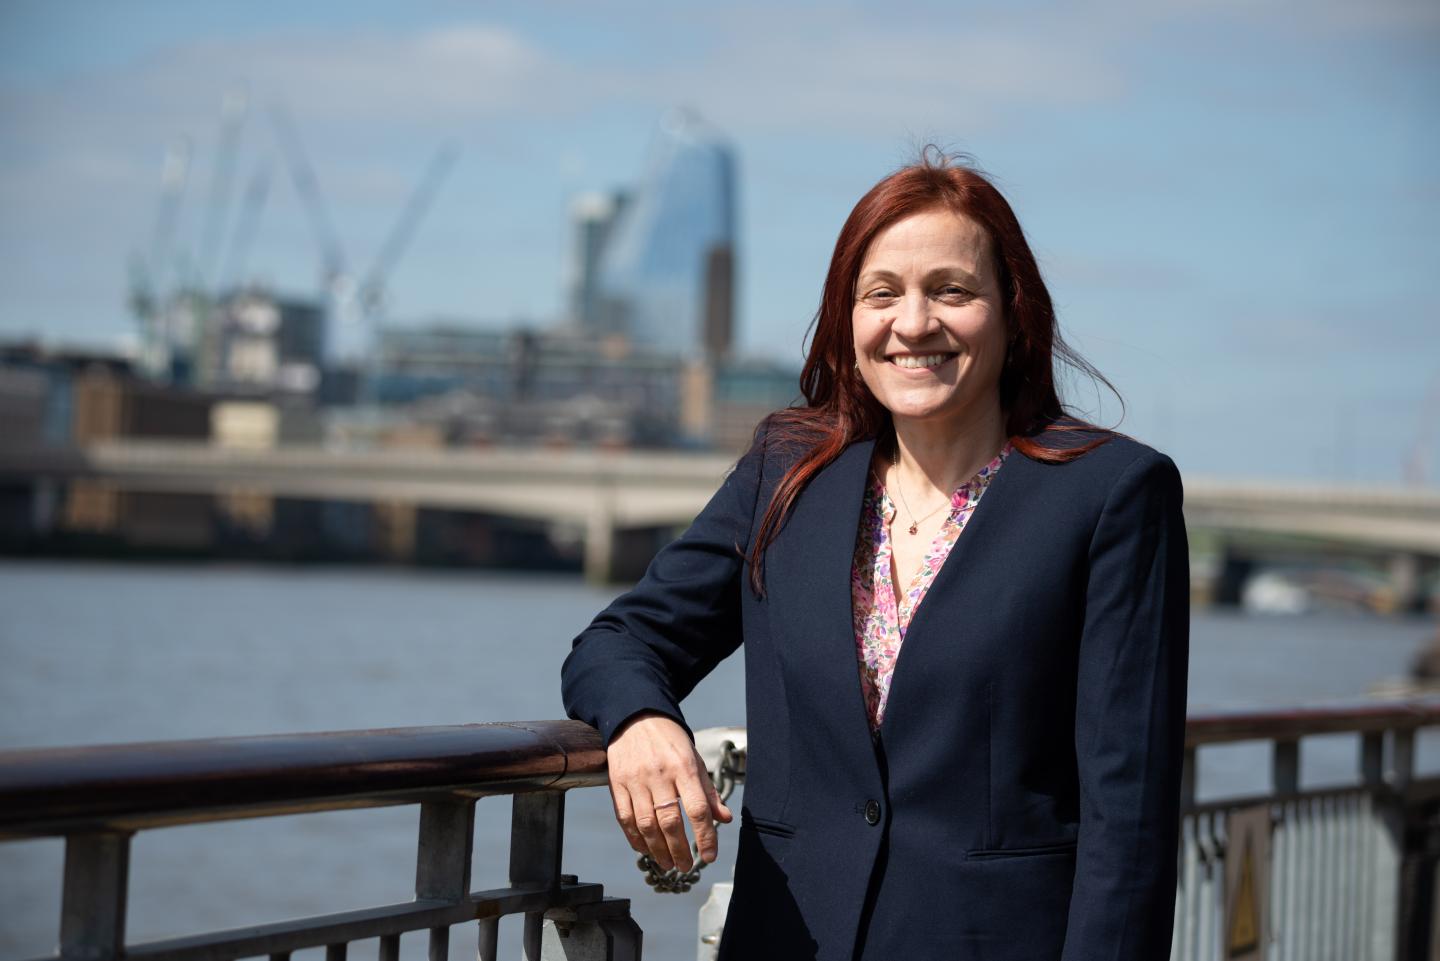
(938,457)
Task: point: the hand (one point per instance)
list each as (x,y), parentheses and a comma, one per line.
(652,761)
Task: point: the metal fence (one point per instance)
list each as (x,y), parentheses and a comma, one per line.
(1343,872)
(1339,873)
(98,797)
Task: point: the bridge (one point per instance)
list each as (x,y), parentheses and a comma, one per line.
(606,493)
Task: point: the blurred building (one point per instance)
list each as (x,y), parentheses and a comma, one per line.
(527,386)
(666,274)
(472,385)
(594,216)
(245,341)
(255,342)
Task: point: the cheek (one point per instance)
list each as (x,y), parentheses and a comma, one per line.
(984,332)
(864,333)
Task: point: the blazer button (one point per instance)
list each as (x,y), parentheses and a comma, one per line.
(872,812)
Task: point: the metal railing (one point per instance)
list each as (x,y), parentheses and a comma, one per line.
(1290,874)
(1342,872)
(98,797)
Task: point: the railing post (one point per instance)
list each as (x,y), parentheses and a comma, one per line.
(537,837)
(92,908)
(442,862)
(1285,767)
(1402,757)
(1372,758)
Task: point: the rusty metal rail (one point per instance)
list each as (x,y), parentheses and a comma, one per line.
(98,797)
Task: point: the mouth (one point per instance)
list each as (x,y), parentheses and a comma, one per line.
(921,361)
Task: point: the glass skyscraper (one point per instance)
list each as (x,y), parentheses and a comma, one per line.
(666,275)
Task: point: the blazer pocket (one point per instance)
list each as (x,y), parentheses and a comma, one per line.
(1034,851)
(777,829)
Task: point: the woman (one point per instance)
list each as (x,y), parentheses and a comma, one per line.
(1009,787)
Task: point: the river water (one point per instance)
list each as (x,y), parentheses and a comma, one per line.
(96,653)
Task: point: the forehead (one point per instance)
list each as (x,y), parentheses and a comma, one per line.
(929,238)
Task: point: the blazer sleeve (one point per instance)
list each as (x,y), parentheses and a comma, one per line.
(654,643)
(1130,719)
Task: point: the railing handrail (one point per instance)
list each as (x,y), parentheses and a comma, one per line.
(128,787)
(1288,724)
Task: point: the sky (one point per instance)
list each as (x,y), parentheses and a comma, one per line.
(1234,202)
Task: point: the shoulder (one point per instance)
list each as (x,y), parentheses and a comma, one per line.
(1116,466)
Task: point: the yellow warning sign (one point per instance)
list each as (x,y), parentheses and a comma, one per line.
(1244,934)
(1247,882)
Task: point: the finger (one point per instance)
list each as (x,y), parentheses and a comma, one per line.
(647,823)
(718,810)
(625,816)
(671,818)
(697,809)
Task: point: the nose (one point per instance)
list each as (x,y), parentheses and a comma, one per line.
(913,318)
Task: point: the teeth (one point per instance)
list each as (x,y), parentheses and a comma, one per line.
(914,363)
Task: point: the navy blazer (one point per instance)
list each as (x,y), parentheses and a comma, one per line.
(1022,799)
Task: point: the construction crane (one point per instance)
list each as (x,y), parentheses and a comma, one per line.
(372,288)
(332,255)
(148,272)
(233,110)
(355,309)
(251,206)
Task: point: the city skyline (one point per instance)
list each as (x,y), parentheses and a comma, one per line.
(1230,203)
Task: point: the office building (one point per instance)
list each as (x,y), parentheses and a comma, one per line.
(667,272)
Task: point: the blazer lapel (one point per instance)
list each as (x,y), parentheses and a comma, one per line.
(957,586)
(814,575)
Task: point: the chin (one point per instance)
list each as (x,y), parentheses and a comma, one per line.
(925,414)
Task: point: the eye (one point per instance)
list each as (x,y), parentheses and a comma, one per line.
(953,293)
(880,295)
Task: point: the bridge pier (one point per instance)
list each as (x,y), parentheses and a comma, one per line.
(1408,572)
(1234,570)
(618,555)
(600,545)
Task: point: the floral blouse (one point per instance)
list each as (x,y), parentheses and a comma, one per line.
(880,617)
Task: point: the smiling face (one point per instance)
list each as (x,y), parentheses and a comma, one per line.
(928,322)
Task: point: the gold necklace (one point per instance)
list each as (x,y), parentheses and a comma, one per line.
(914,524)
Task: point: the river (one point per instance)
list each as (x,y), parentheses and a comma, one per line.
(96,653)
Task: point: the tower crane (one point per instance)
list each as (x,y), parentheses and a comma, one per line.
(251,206)
(332,256)
(233,111)
(148,271)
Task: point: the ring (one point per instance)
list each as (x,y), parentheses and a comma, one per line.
(666,804)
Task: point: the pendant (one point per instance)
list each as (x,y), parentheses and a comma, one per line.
(914,528)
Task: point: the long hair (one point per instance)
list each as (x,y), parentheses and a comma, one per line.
(839,409)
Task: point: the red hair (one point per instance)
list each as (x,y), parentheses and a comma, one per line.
(839,409)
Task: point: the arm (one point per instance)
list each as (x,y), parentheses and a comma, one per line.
(654,643)
(629,670)
(1130,720)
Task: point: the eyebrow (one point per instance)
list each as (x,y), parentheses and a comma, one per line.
(881,274)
